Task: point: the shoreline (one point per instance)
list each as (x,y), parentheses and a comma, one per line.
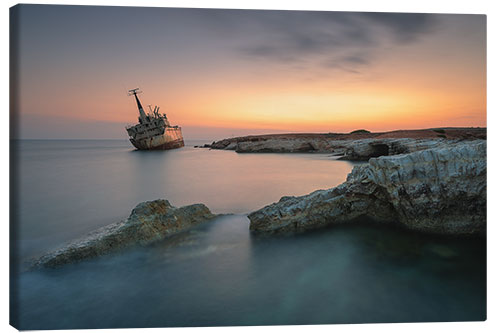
(359,145)
(438,190)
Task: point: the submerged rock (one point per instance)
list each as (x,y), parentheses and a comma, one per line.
(440,190)
(148,222)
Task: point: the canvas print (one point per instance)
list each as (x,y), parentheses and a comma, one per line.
(183,167)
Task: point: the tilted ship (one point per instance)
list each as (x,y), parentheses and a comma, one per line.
(153,132)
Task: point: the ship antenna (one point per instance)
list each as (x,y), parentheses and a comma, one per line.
(134,92)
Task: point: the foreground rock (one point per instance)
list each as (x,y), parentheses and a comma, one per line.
(356,146)
(149,222)
(440,190)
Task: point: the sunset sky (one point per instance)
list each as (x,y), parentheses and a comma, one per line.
(218,73)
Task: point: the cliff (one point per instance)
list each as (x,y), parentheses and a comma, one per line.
(440,190)
(148,222)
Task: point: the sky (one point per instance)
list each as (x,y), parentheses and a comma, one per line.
(221,73)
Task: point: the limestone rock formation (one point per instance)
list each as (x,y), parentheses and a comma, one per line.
(352,150)
(363,150)
(359,145)
(439,190)
(148,222)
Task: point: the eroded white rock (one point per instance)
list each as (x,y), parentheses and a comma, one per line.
(440,190)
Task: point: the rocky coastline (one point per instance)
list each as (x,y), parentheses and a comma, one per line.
(148,222)
(440,190)
(358,145)
(428,185)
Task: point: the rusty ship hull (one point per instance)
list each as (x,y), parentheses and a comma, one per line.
(170,139)
(153,130)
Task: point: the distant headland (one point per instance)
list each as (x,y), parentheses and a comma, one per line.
(356,145)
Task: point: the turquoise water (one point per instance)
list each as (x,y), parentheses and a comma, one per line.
(219,274)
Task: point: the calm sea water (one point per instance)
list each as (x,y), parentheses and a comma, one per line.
(219,274)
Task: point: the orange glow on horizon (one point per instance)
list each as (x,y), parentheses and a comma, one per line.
(317,107)
(436,80)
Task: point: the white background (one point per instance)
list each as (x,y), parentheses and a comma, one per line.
(426,6)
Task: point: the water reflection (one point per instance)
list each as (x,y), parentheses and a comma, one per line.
(70,188)
(217,273)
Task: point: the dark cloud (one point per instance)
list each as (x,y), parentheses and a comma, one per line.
(304,33)
(332,39)
(339,66)
(269,52)
(351,63)
(356,59)
(406,27)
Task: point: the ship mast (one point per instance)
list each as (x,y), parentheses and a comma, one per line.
(142,114)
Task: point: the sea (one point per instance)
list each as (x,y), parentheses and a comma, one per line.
(218,274)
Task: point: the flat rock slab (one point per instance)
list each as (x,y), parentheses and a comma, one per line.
(440,190)
(148,222)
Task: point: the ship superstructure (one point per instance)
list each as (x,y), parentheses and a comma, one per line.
(153,132)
